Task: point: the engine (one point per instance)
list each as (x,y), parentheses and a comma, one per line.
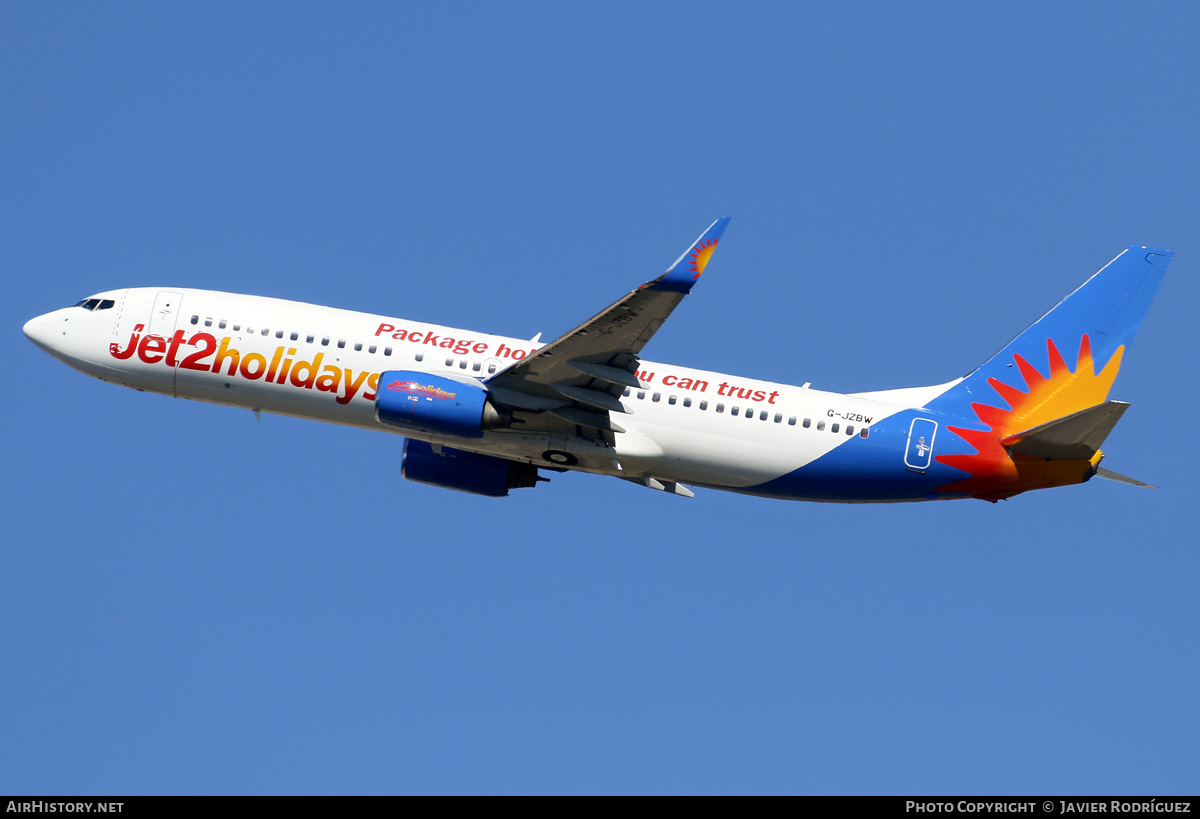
(465,471)
(422,402)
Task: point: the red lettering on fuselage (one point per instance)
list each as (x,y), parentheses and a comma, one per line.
(459,346)
(208,345)
(693,384)
(745,393)
(221,359)
(346,384)
(152,349)
(116,352)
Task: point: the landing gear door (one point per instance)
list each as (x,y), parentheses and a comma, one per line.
(918,455)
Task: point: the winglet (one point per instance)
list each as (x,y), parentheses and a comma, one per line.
(680,276)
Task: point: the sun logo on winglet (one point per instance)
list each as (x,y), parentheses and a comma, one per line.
(995,473)
(700,254)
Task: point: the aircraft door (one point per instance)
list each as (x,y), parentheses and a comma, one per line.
(918,454)
(148,364)
(167,305)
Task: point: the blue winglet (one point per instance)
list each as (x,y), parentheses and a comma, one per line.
(680,276)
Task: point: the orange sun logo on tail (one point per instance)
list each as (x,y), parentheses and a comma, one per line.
(995,473)
(700,254)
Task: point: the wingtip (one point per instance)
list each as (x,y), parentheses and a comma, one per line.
(681,275)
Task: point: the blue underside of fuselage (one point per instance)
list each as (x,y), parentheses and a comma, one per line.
(871,469)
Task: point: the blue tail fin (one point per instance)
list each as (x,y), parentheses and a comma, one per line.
(1092,325)
(1063,364)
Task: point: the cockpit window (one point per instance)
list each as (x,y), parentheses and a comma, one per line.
(95,304)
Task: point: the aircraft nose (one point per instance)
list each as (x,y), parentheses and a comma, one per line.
(41,331)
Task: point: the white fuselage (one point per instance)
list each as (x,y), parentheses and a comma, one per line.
(323,363)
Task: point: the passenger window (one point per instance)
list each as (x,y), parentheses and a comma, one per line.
(279,334)
(687,402)
(820,425)
(792,421)
(720,407)
(626,393)
(358,346)
(656,397)
(462,363)
(491,368)
(221,324)
(372,348)
(266,331)
(477,366)
(762,416)
(295,336)
(641,394)
(807,423)
(195,319)
(208,322)
(703,405)
(671,400)
(733,411)
(778,417)
(237,327)
(449,362)
(849,430)
(325,341)
(308,339)
(420,356)
(341,343)
(865,432)
(833,428)
(387,350)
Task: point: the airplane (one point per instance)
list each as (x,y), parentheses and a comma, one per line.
(485,414)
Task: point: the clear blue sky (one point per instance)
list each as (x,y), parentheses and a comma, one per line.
(194,602)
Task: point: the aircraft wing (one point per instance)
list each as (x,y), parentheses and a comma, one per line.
(580,376)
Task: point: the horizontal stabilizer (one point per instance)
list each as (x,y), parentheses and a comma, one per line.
(1117,476)
(1074,437)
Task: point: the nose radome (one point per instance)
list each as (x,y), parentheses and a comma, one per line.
(40,330)
(34,329)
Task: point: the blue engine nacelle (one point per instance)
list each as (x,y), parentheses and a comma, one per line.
(465,471)
(422,402)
